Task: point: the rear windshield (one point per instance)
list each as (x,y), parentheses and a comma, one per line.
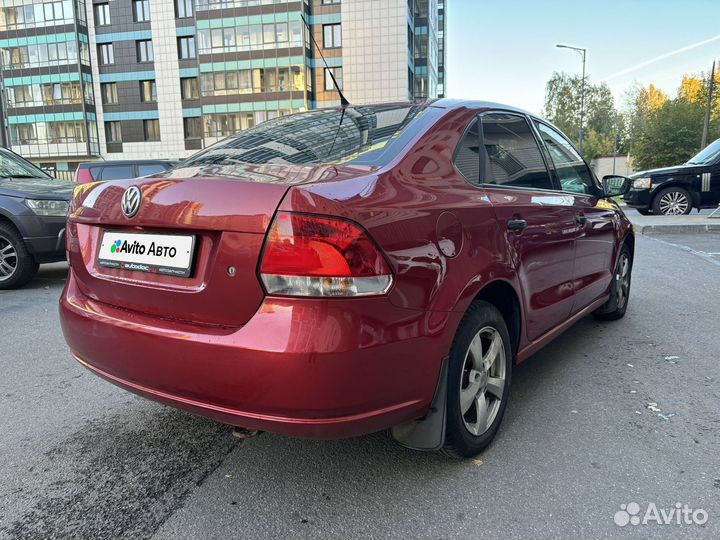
(369,136)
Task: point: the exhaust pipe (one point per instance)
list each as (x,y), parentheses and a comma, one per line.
(243,434)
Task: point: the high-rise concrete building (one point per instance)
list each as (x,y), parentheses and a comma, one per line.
(132,79)
(47,104)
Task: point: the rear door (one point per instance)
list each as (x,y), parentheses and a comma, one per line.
(596,218)
(539,221)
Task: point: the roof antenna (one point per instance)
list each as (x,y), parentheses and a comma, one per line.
(344,102)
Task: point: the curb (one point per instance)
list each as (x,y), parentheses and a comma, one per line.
(677,228)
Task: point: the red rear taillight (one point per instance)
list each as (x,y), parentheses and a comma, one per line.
(83,176)
(307,255)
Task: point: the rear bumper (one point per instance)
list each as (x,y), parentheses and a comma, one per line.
(310,368)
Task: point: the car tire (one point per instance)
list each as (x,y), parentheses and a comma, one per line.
(17,266)
(480,368)
(620,289)
(672,201)
(643,212)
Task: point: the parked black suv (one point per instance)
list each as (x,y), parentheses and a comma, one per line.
(33,210)
(677,190)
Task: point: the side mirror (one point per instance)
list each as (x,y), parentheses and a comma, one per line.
(615,185)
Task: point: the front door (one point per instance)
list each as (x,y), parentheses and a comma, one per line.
(596,218)
(710,186)
(539,222)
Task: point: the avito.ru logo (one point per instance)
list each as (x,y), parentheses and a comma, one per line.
(681,514)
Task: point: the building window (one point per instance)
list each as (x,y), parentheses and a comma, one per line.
(193,128)
(141,10)
(105,54)
(109,93)
(189,88)
(148,91)
(102,14)
(186,47)
(144,51)
(183,9)
(337,72)
(151,130)
(327,2)
(113,133)
(332,36)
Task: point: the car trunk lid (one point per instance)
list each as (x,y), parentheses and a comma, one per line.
(227,219)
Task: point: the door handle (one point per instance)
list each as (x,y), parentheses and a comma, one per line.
(517,224)
(580,219)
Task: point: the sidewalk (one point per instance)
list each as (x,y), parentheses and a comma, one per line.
(693,223)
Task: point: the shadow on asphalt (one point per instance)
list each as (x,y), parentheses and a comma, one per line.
(49,275)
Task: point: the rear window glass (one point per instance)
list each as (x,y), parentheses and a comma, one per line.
(369,136)
(118,172)
(150,168)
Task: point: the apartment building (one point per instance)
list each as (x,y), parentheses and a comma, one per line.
(47,103)
(162,79)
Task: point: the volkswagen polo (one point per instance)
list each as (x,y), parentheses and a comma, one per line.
(346,271)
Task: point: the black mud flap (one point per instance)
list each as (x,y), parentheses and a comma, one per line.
(428,433)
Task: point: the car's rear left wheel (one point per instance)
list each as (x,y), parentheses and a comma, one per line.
(478,381)
(17,266)
(620,289)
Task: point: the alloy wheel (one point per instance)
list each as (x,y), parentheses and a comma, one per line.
(623,280)
(482,381)
(674,203)
(8,259)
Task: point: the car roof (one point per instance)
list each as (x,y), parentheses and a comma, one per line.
(124,162)
(450,103)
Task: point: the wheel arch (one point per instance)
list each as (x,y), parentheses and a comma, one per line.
(629,241)
(7,207)
(5,218)
(680,183)
(504,297)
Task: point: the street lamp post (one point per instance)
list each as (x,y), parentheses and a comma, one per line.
(582,53)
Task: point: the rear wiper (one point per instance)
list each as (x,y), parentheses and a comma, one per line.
(10,177)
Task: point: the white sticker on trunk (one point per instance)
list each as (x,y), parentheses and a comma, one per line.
(167,254)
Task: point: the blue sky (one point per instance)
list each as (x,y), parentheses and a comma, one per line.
(504,50)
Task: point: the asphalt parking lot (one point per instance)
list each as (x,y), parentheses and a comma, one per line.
(607,415)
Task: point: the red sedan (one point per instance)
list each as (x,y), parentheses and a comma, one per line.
(344,271)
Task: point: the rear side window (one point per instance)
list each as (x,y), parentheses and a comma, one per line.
(150,168)
(467,156)
(512,155)
(572,172)
(117,172)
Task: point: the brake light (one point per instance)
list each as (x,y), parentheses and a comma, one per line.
(83,176)
(308,255)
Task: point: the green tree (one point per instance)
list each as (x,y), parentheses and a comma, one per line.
(671,135)
(664,132)
(602,125)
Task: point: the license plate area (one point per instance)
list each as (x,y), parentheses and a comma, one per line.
(166,254)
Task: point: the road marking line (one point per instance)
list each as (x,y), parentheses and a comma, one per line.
(702,254)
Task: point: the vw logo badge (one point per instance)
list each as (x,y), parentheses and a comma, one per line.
(130,203)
